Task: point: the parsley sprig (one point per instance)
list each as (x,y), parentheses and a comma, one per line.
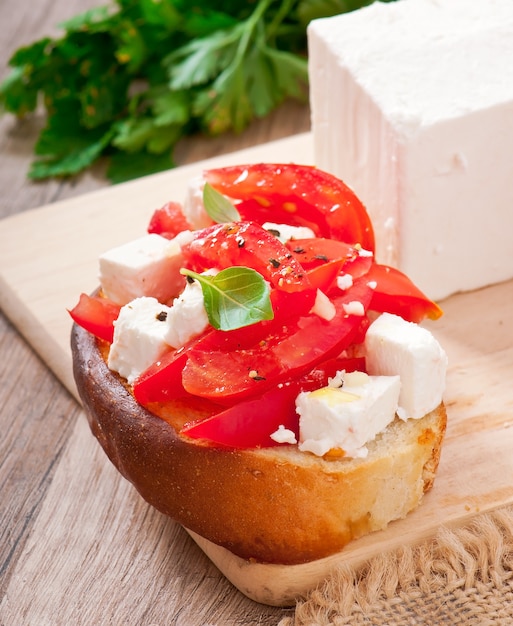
(127,81)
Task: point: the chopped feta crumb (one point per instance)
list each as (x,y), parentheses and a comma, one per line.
(187,316)
(285,233)
(139,337)
(147,266)
(354,308)
(344,281)
(284,435)
(395,346)
(348,417)
(323,306)
(193,207)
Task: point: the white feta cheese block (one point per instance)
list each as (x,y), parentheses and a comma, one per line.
(187,317)
(348,417)
(396,347)
(139,337)
(285,233)
(148,266)
(412,106)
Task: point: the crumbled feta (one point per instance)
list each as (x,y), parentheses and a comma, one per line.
(284,435)
(347,418)
(139,337)
(323,306)
(344,281)
(365,253)
(396,347)
(336,381)
(148,266)
(354,308)
(187,316)
(285,233)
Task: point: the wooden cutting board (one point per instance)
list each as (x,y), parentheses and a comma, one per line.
(49,255)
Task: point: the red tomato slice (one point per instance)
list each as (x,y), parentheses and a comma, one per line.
(97,315)
(325,258)
(168,221)
(162,381)
(229,376)
(296,195)
(396,293)
(246,244)
(312,253)
(250,423)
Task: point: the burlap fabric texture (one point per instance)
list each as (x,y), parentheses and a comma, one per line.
(461,577)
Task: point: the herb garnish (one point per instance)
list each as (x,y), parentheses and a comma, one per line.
(218,207)
(235,297)
(129,80)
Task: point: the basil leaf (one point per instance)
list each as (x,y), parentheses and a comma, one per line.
(218,207)
(235,297)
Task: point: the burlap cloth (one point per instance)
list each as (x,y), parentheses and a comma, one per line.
(462,576)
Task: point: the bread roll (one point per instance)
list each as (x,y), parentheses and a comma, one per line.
(271,505)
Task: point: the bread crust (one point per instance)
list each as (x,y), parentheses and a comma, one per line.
(274,505)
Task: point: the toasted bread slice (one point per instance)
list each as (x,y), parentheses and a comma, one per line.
(271,505)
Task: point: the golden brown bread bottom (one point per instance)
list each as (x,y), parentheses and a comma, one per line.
(274,505)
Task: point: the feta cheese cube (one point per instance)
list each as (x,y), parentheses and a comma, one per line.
(412,106)
(193,207)
(148,266)
(396,347)
(348,417)
(139,337)
(187,316)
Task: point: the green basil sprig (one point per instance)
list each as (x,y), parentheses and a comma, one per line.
(218,207)
(235,297)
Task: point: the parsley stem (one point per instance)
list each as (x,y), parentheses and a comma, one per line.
(284,10)
(250,25)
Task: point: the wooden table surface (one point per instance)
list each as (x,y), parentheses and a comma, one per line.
(37,414)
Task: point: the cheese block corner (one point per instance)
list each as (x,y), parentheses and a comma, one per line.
(412,106)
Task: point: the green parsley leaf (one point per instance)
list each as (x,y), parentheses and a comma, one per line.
(218,207)
(95,19)
(235,297)
(202,59)
(170,107)
(161,13)
(136,76)
(65,147)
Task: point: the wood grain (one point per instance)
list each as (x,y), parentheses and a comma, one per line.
(38,416)
(474,331)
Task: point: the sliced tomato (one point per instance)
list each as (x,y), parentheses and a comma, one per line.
(168,221)
(324,259)
(97,315)
(229,376)
(314,252)
(297,195)
(396,293)
(250,423)
(162,381)
(246,244)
